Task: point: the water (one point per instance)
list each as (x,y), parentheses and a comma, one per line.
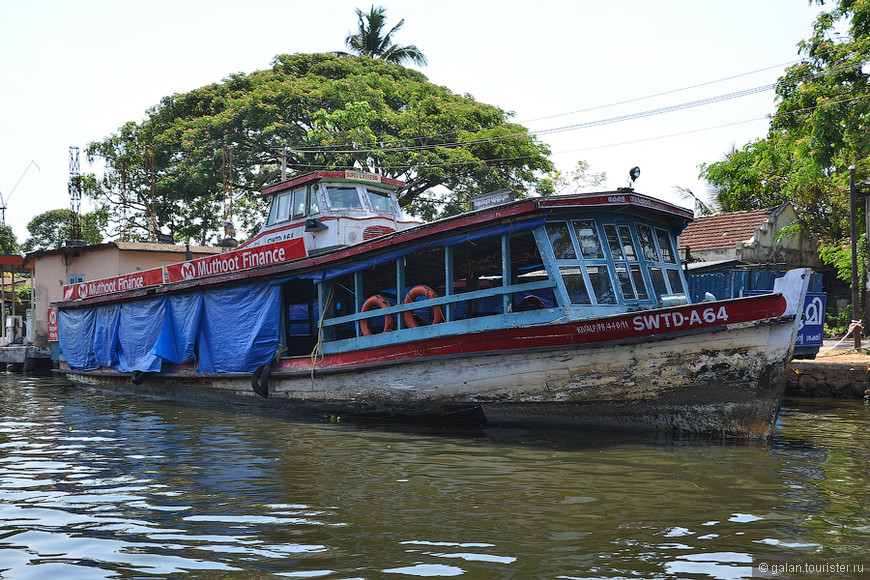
(94,486)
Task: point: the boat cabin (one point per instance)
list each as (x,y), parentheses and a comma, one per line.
(528,262)
(332,209)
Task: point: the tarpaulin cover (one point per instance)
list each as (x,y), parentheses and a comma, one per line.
(76,336)
(138,329)
(239,328)
(232,330)
(177,340)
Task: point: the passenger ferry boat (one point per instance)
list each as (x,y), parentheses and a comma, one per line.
(562,311)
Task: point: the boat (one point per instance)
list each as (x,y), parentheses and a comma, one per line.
(567,311)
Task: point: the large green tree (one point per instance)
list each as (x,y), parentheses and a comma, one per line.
(196,153)
(819,129)
(372,39)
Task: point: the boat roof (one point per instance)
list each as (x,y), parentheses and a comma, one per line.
(620,201)
(347,175)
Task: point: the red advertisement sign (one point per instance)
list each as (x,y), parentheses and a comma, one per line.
(237,260)
(52,324)
(114,284)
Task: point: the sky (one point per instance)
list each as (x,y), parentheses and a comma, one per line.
(72,73)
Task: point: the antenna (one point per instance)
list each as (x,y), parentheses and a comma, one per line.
(4,202)
(75,194)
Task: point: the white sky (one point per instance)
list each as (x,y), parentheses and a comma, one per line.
(74,72)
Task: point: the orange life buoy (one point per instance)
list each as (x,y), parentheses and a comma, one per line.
(531,302)
(376,301)
(412,321)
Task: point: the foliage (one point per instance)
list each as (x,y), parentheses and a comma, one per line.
(8,242)
(578,180)
(50,229)
(22,295)
(839,255)
(370,39)
(819,129)
(320,111)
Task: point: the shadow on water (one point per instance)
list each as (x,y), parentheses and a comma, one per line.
(98,486)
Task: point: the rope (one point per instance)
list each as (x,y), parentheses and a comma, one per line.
(855,324)
(317,352)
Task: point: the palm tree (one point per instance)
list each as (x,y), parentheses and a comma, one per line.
(371,41)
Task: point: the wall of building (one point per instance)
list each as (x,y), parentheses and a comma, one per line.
(795,250)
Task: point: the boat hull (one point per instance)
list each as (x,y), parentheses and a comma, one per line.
(723,381)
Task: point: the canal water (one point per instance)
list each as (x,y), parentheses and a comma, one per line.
(94,486)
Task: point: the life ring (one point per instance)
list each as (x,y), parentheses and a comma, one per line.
(260,380)
(412,321)
(376,301)
(531,302)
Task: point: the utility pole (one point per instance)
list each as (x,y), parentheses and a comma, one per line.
(853,232)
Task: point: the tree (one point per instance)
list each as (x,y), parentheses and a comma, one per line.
(8,243)
(50,229)
(819,129)
(578,180)
(370,40)
(316,111)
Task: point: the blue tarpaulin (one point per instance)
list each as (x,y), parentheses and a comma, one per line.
(230,330)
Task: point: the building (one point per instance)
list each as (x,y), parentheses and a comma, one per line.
(53,269)
(751,237)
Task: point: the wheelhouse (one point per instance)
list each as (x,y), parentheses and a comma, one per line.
(332,209)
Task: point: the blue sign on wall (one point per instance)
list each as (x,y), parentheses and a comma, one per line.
(812,329)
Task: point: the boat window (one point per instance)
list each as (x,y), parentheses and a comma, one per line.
(613,242)
(340,301)
(676,281)
(379,291)
(299,202)
(639,284)
(658,280)
(301,310)
(526,266)
(587,236)
(625,285)
(478,266)
(627,243)
(560,239)
(575,285)
(647,243)
(601,285)
(313,203)
(665,244)
(280,210)
(343,197)
(380,201)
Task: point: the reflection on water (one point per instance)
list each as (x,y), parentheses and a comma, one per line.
(93,486)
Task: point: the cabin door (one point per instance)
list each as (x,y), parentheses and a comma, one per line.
(301,317)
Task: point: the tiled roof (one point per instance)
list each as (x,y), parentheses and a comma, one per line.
(724,230)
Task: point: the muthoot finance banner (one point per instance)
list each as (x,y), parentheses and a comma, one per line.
(237,260)
(114,284)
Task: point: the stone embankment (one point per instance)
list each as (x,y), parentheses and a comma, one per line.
(838,374)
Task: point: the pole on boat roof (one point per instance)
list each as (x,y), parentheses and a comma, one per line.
(856,308)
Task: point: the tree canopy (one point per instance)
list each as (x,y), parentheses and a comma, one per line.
(200,157)
(50,229)
(8,242)
(819,129)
